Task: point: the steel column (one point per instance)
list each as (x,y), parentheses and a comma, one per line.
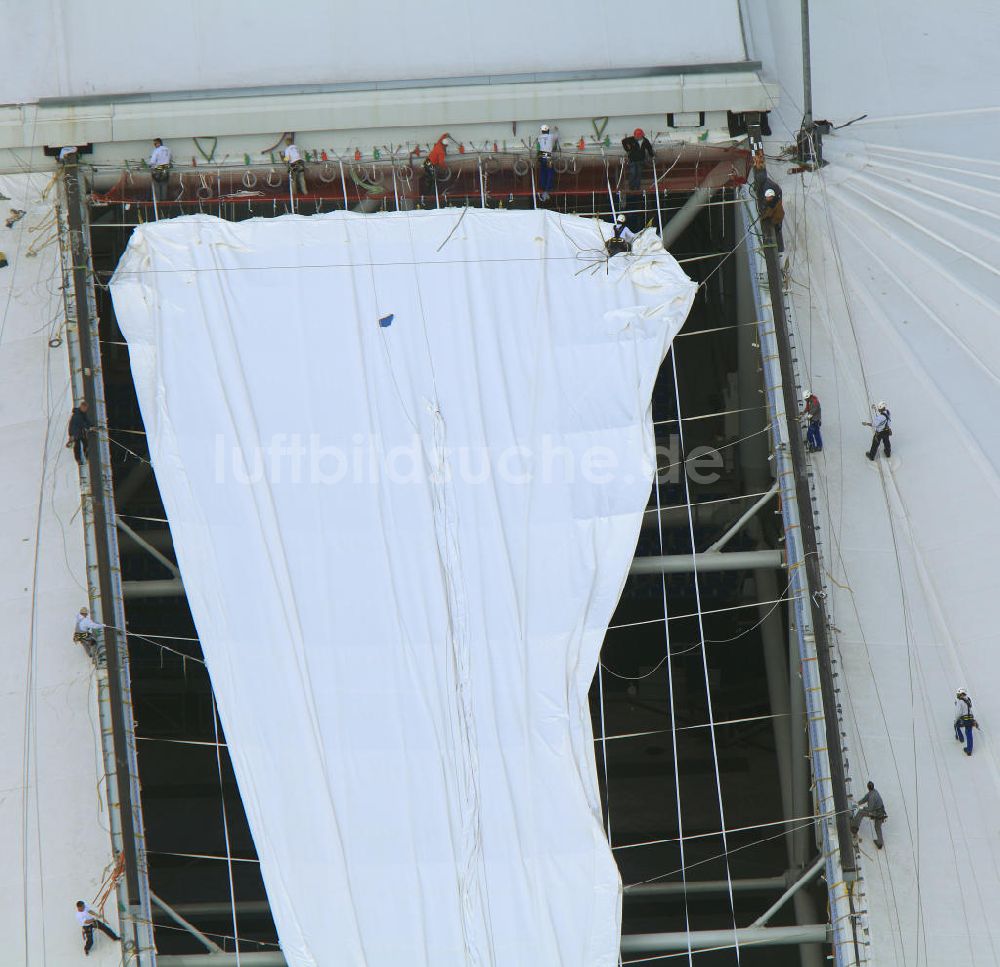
(688,212)
(96,474)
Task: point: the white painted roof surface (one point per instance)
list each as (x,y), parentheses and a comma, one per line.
(54,836)
(895,278)
(62,50)
(896,290)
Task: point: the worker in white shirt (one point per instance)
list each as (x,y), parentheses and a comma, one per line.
(547,144)
(85,633)
(296,166)
(89,920)
(622,239)
(881,424)
(159,165)
(965,721)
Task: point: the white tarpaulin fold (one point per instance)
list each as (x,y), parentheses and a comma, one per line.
(405,459)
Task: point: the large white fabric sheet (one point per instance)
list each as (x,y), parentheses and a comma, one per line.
(402,601)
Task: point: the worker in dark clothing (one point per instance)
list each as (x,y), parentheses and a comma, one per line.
(638,150)
(814,413)
(434,164)
(772,211)
(89,920)
(870,806)
(79,427)
(965,721)
(881,425)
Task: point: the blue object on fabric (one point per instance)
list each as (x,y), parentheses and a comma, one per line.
(387,320)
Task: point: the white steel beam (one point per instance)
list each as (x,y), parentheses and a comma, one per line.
(147,547)
(806,877)
(208,943)
(722,939)
(725,539)
(258,958)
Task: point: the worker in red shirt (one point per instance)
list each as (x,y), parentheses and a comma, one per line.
(434,163)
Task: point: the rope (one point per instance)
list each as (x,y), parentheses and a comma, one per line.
(704,661)
(673,724)
(108,884)
(225,829)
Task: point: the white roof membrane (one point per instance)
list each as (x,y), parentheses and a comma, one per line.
(896,289)
(405,459)
(54,836)
(68,50)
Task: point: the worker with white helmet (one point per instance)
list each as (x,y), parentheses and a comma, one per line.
(813,412)
(965,721)
(621,240)
(881,424)
(85,633)
(548,142)
(772,211)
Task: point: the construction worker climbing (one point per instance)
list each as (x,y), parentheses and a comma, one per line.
(88,919)
(296,166)
(638,150)
(622,239)
(159,165)
(965,721)
(870,806)
(813,413)
(434,165)
(881,424)
(79,427)
(547,144)
(85,633)
(772,211)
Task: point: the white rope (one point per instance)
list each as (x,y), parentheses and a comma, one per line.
(656,195)
(673,723)
(611,197)
(704,663)
(225,829)
(604,753)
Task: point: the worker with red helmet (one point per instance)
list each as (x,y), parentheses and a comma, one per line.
(637,149)
(434,164)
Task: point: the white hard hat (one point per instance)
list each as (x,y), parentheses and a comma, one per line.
(961,691)
(769,193)
(83,611)
(620,219)
(545,129)
(882,405)
(807,394)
